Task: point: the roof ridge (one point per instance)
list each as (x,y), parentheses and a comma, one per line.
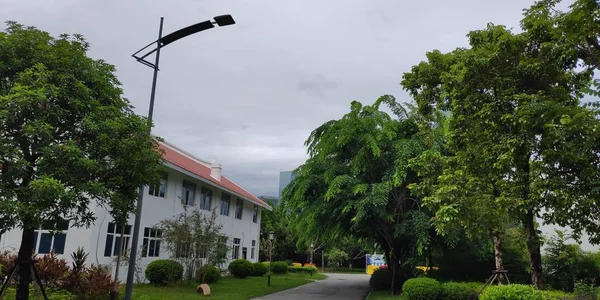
(245,190)
(183,152)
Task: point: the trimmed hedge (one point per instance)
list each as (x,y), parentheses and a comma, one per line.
(422,289)
(208,274)
(521,292)
(382,280)
(460,290)
(259,269)
(279,267)
(163,272)
(241,268)
(306,270)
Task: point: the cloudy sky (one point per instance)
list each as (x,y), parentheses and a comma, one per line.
(248,95)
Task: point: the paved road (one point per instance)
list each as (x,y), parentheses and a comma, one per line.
(336,286)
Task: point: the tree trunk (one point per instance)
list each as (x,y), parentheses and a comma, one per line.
(498,255)
(121,242)
(24,260)
(535,255)
(322,260)
(393,269)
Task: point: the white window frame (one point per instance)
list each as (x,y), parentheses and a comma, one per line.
(236,248)
(115,235)
(53,229)
(252,249)
(161,189)
(206,195)
(188,186)
(239,209)
(255,211)
(228,201)
(151,235)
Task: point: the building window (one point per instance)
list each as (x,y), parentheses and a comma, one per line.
(205,198)
(52,236)
(161,189)
(189,191)
(113,239)
(236,248)
(151,245)
(239,208)
(252,249)
(255,214)
(225,201)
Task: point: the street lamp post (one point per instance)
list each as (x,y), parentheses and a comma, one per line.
(162,41)
(312,251)
(270,257)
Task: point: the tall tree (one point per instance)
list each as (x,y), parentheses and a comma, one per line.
(356,181)
(461,189)
(514,100)
(68,139)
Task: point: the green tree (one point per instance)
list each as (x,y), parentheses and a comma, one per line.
(356,181)
(285,239)
(68,139)
(194,238)
(516,120)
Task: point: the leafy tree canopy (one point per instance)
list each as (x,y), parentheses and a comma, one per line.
(68,139)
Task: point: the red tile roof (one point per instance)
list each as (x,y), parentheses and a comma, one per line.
(188,163)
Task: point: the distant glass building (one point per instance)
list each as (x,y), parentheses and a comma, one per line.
(285,178)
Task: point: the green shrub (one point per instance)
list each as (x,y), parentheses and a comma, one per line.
(310,269)
(241,268)
(279,267)
(259,269)
(556,295)
(164,271)
(510,292)
(346,270)
(382,279)
(585,291)
(208,274)
(460,290)
(422,289)
(306,270)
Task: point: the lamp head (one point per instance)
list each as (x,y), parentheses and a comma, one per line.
(224,20)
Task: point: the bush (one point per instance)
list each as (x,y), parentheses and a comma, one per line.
(259,269)
(279,267)
(422,289)
(306,270)
(585,291)
(566,264)
(460,290)
(53,271)
(382,279)
(241,268)
(163,272)
(208,274)
(97,283)
(346,270)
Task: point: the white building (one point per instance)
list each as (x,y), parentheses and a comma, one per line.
(187,181)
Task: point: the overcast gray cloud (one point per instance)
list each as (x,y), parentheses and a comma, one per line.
(248,95)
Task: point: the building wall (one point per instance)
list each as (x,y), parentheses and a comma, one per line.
(155,209)
(285,178)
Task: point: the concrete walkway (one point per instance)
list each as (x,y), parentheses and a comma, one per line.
(336,286)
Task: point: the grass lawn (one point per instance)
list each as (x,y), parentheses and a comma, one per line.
(226,288)
(384,295)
